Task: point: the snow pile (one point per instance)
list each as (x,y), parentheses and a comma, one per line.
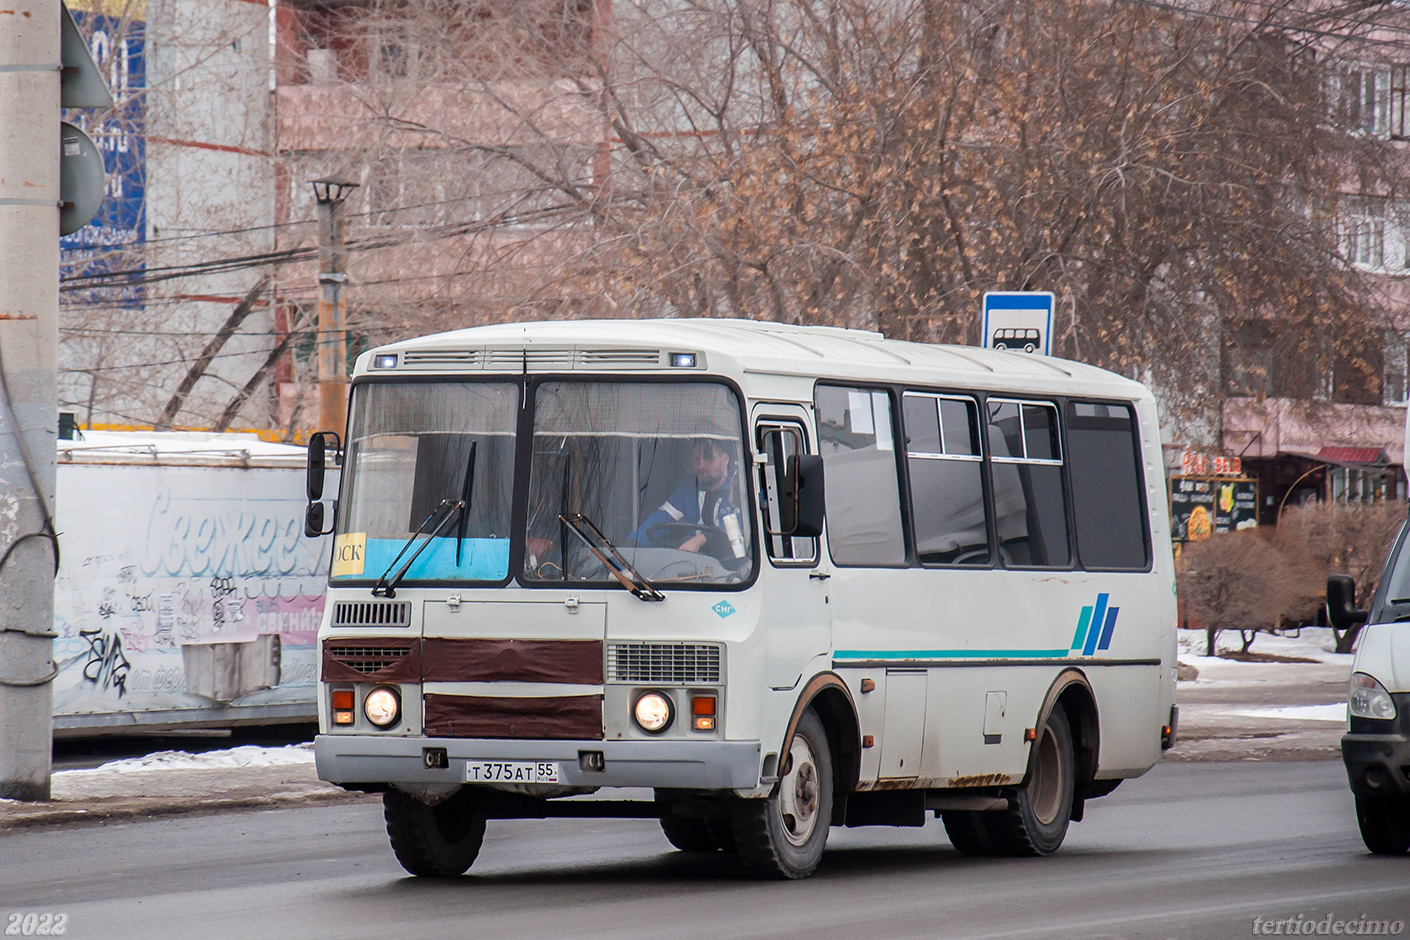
(1334,712)
(244,756)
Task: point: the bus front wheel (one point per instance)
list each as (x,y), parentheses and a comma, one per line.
(438,841)
(689,833)
(783,836)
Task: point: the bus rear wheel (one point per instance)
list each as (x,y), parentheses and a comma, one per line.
(1385,823)
(439,841)
(784,835)
(1036,821)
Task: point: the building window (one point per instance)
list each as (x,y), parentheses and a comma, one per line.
(1364,237)
(1365,98)
(1396,380)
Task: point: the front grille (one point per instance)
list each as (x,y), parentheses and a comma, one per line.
(620,358)
(671,663)
(448,358)
(366,660)
(371,614)
(542,358)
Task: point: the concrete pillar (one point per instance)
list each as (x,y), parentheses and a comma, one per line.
(29,302)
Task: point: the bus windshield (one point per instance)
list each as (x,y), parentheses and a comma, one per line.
(414,450)
(654,467)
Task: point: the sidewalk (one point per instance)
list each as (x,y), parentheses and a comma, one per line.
(1234,711)
(174,783)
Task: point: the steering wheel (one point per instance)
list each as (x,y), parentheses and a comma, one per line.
(673,534)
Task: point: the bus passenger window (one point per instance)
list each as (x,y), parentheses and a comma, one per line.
(1031,513)
(859,462)
(947,488)
(1103,453)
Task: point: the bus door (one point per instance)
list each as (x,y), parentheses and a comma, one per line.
(794,581)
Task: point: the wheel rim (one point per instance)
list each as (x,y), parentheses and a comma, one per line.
(798,794)
(1045,793)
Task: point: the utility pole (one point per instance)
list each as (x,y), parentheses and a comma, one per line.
(29,414)
(332,315)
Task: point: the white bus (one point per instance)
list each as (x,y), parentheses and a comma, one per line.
(785,577)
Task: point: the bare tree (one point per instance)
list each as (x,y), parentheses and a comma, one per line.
(1176,175)
(1240,581)
(1343,538)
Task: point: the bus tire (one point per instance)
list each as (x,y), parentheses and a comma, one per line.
(972,832)
(722,832)
(688,833)
(783,836)
(438,841)
(1385,823)
(1036,821)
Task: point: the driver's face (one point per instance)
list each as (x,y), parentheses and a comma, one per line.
(711,466)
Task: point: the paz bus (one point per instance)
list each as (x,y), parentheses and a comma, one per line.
(779,578)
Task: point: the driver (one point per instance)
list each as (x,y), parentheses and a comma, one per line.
(705,499)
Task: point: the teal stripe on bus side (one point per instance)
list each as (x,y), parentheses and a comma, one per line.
(1082,623)
(947,654)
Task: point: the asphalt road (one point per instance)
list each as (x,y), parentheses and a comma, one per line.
(1190,850)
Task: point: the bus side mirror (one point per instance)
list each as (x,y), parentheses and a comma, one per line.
(804,480)
(313,521)
(317,464)
(1342,612)
(318,460)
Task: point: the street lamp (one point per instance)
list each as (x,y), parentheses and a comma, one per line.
(332,318)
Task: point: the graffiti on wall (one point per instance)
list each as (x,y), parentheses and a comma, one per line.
(195,590)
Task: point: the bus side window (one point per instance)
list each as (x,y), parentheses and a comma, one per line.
(859,459)
(947,486)
(1026,465)
(778,441)
(1104,460)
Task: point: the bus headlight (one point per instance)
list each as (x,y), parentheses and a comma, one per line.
(1369,699)
(382,706)
(653,712)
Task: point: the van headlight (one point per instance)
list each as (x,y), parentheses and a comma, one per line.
(1369,699)
(382,706)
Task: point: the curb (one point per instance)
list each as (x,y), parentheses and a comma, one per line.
(96,812)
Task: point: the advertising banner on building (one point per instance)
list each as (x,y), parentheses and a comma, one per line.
(115,239)
(1202,506)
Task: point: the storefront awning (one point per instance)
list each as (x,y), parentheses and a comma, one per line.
(1355,457)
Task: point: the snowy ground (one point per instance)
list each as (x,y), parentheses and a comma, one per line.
(1314,643)
(244,756)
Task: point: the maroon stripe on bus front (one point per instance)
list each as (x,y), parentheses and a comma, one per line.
(561,717)
(446,659)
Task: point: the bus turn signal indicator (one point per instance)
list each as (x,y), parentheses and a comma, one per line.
(702,708)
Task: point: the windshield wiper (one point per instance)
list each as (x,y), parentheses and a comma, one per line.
(441,515)
(465,490)
(609,555)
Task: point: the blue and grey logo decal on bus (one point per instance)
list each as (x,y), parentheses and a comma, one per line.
(723,608)
(1095,626)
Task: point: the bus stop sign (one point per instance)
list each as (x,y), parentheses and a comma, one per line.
(1018,320)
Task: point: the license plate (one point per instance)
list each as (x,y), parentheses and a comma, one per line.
(511,771)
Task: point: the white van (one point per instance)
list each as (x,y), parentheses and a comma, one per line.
(1376,748)
(785,577)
